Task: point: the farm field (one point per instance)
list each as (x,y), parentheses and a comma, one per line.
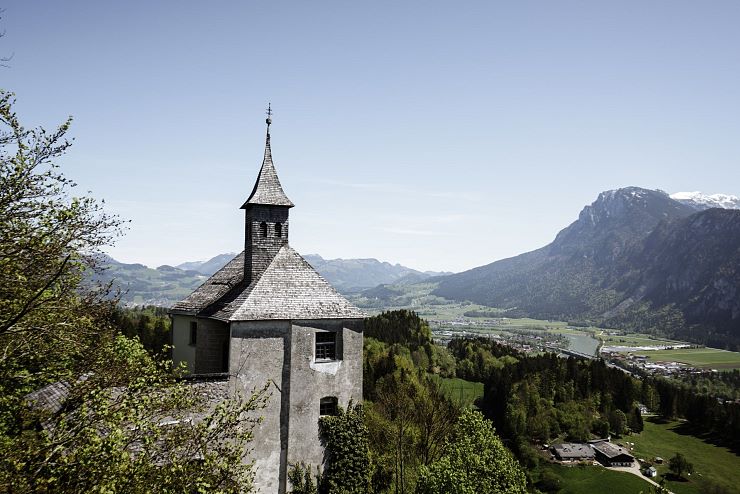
(635,339)
(712,464)
(698,357)
(591,479)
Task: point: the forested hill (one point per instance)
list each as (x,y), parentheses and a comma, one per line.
(635,258)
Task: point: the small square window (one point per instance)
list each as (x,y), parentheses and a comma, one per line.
(326,345)
(328,405)
(193,333)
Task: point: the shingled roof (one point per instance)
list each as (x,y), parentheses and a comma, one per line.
(214,288)
(267,190)
(288,289)
(291,289)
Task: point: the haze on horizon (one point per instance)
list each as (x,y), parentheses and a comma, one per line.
(419,133)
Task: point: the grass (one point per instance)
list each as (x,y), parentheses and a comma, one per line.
(591,479)
(712,464)
(462,391)
(698,357)
(635,339)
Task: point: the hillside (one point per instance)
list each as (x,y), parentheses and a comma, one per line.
(141,285)
(634,258)
(166,285)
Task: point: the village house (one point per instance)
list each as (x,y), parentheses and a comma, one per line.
(573,452)
(611,455)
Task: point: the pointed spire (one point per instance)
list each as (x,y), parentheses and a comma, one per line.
(267,190)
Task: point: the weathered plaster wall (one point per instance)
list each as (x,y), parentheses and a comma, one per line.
(311,381)
(282,354)
(182,351)
(259,355)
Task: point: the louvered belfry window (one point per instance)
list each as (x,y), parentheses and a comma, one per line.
(326,345)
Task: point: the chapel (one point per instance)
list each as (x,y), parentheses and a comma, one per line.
(268,317)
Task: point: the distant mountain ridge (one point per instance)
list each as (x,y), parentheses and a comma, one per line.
(210,266)
(635,258)
(166,285)
(356,274)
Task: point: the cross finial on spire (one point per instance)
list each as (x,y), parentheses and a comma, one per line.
(268,120)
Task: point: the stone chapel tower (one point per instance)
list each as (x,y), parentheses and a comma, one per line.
(269,317)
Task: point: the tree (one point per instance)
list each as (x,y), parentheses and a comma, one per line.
(395,423)
(474,461)
(636,423)
(119,420)
(301,480)
(679,464)
(435,417)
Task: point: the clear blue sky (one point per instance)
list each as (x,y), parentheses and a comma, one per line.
(441,135)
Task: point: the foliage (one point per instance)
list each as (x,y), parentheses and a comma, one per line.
(128,426)
(122,422)
(409,422)
(301,480)
(399,326)
(47,240)
(474,461)
(705,412)
(540,397)
(347,465)
(151,325)
(478,357)
(678,464)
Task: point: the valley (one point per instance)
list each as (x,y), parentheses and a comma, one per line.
(449,319)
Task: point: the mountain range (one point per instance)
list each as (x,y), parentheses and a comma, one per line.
(166,284)
(636,259)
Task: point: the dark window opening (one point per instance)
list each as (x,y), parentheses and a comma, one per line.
(225,356)
(263,229)
(278,229)
(328,405)
(193,333)
(326,345)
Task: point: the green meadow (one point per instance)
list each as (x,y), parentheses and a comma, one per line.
(712,464)
(593,479)
(698,357)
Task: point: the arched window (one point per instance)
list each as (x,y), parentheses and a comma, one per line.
(278,229)
(263,229)
(328,405)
